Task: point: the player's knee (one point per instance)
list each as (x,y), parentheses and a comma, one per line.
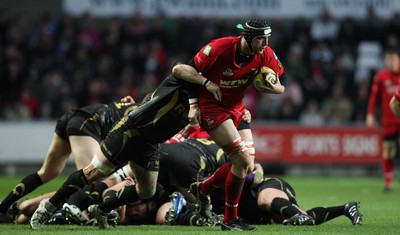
(100,166)
(47,175)
(238,152)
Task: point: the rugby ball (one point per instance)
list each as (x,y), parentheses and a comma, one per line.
(262,75)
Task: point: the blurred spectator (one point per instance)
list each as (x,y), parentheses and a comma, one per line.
(324,28)
(337,108)
(372,28)
(361,102)
(48,65)
(312,115)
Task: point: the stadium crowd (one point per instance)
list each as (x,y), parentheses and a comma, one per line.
(49,65)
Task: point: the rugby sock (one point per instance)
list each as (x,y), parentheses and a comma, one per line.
(323,214)
(27,185)
(124,196)
(98,189)
(88,195)
(74,182)
(388,171)
(283,207)
(82,195)
(109,194)
(217,180)
(233,191)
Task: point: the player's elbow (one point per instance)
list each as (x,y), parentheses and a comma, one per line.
(176,70)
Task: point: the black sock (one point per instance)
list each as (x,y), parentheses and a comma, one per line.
(124,196)
(109,194)
(27,185)
(88,195)
(73,183)
(82,195)
(284,207)
(98,189)
(323,214)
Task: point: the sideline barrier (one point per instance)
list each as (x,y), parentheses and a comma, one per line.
(27,142)
(317,145)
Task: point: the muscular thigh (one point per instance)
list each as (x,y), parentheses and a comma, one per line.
(225,134)
(56,158)
(83,149)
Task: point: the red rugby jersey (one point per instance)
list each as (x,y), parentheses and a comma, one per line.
(384,87)
(216,62)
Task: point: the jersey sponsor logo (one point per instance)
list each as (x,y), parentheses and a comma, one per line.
(207,50)
(210,121)
(228,72)
(233,83)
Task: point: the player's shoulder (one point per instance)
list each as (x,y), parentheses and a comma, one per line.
(269,52)
(382,74)
(270,58)
(221,44)
(225,40)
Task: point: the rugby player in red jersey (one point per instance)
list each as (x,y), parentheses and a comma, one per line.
(386,82)
(229,64)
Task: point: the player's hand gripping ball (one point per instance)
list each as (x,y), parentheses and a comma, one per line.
(262,75)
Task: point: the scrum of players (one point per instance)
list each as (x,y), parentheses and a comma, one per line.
(192,151)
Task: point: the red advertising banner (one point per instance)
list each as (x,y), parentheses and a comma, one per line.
(317,145)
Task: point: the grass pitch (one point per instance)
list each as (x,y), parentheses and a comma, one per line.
(381,211)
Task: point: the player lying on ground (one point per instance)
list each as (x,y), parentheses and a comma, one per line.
(274,204)
(274,201)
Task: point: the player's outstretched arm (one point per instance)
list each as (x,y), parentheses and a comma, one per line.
(190,74)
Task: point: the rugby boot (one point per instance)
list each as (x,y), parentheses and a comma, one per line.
(42,214)
(113,218)
(178,202)
(73,214)
(351,211)
(99,216)
(58,218)
(299,219)
(237,225)
(203,203)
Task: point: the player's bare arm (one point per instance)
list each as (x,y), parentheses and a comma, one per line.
(190,74)
(395,106)
(370,120)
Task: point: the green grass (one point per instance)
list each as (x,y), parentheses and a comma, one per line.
(381,210)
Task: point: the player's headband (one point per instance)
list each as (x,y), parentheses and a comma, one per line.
(250,31)
(255,31)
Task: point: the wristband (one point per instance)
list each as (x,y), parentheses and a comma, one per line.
(206,82)
(193,101)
